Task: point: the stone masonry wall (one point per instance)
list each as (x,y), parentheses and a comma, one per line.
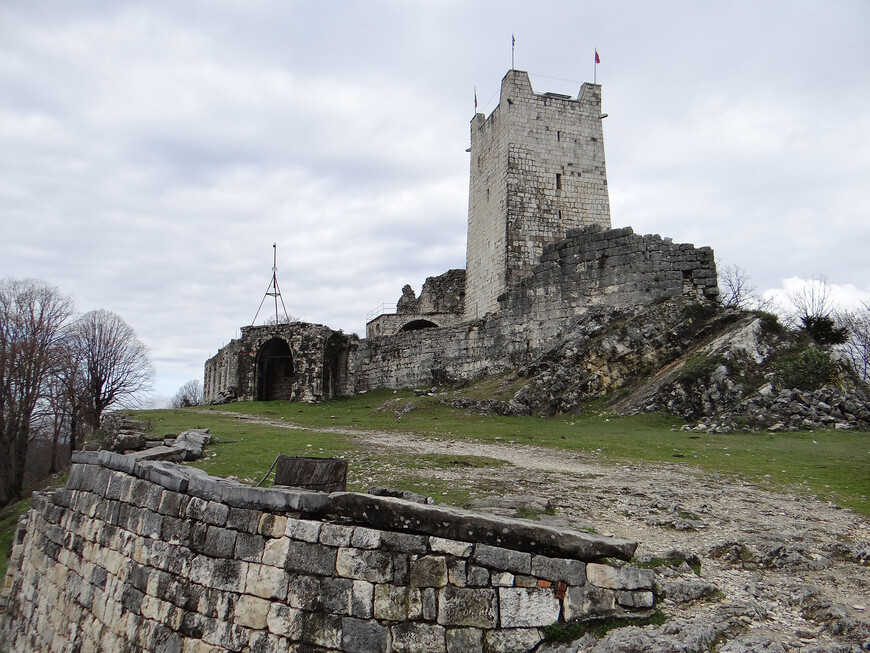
(590,267)
(537,170)
(320,356)
(160,557)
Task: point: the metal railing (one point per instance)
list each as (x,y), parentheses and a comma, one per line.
(387,308)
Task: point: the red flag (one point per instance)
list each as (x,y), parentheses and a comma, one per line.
(597,58)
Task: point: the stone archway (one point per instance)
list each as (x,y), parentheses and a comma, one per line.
(275,371)
(416,325)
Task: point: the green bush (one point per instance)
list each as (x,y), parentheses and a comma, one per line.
(808,369)
(700,367)
(824,331)
(770,324)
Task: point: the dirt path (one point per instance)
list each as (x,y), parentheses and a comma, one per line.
(767,558)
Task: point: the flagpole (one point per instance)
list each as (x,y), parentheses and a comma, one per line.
(595,67)
(513,45)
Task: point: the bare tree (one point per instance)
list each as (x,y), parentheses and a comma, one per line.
(814,299)
(857,347)
(814,309)
(738,291)
(32,317)
(190,394)
(736,287)
(115,365)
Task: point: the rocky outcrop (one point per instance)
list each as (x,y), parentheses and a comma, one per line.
(723,369)
(122,434)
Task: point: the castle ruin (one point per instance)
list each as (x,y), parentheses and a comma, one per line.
(540,252)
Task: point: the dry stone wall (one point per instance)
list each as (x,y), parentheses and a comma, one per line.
(134,556)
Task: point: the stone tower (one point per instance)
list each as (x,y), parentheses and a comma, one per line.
(537,170)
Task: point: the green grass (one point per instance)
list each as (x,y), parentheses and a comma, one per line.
(834,465)
(8,519)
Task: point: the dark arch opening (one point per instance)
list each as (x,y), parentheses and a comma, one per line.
(275,371)
(335,366)
(416,325)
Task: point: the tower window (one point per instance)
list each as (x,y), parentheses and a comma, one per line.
(558,136)
(558,181)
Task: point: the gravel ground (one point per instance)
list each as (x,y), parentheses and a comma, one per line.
(778,572)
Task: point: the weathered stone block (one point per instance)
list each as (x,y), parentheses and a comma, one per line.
(303,530)
(572,572)
(309,558)
(501,579)
(391,602)
(362,564)
(362,599)
(451,547)
(250,548)
(303,592)
(459,606)
(336,595)
(411,637)
(635,599)
(403,542)
(252,612)
(365,538)
(517,640)
(336,535)
(521,607)
(321,630)
(464,640)
(587,601)
(274,526)
(285,621)
(477,576)
(429,571)
(622,578)
(219,542)
(266,582)
(503,559)
(359,636)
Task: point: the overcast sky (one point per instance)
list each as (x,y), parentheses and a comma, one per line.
(152,152)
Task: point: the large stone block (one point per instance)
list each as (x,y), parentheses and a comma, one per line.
(572,572)
(515,640)
(619,578)
(363,564)
(460,606)
(428,571)
(522,607)
(252,612)
(285,621)
(411,637)
(464,640)
(304,557)
(587,601)
(503,559)
(391,602)
(364,636)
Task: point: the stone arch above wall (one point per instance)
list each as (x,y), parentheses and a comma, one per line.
(275,370)
(418,324)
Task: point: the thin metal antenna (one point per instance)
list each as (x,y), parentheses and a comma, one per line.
(273,290)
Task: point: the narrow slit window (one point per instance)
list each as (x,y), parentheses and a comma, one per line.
(558,136)
(558,181)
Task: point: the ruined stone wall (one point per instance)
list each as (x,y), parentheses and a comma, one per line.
(614,267)
(537,170)
(441,303)
(321,364)
(161,557)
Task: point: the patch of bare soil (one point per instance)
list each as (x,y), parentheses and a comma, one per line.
(777,572)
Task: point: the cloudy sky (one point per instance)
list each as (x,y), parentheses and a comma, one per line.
(152,152)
